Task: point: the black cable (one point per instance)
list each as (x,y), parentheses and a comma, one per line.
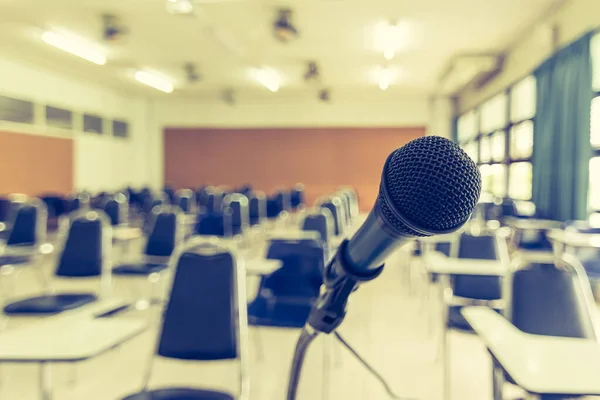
(306,338)
(365,364)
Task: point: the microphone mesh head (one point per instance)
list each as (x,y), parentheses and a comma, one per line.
(432,183)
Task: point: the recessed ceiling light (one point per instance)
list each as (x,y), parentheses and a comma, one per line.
(180,7)
(154,81)
(74,45)
(267,77)
(391,37)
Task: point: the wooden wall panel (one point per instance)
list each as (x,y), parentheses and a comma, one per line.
(34,164)
(321,158)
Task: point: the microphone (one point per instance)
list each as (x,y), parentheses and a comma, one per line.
(429,186)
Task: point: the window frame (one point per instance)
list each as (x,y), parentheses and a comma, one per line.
(595,153)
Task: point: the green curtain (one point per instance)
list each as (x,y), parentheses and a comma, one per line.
(562,149)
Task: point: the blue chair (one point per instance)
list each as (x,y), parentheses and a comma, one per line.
(274,208)
(236,204)
(550,300)
(202,196)
(116,208)
(334,205)
(214,201)
(213,224)
(464,290)
(285,297)
(85,254)
(346,198)
(283,199)
(169,193)
(161,243)
(320,220)
(297,196)
(185,200)
(257,207)
(205,319)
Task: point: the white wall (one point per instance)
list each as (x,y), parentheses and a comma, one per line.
(100,162)
(574,18)
(389,111)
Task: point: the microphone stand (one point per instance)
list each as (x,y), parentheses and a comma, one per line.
(328,312)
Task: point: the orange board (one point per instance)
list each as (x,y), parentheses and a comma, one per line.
(321,158)
(34,164)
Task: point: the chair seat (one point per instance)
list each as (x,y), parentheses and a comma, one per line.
(138,269)
(180,394)
(14,259)
(50,304)
(279,314)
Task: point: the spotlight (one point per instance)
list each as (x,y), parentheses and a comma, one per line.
(324,95)
(180,7)
(312,73)
(283,29)
(192,74)
(113,29)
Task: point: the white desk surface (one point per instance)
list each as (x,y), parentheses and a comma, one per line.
(533,224)
(437,263)
(292,234)
(575,239)
(66,339)
(126,233)
(262,266)
(539,364)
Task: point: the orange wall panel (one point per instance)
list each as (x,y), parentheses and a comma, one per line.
(321,158)
(34,164)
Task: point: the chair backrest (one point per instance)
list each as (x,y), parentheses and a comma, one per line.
(213,224)
(320,221)
(237,204)
(486,246)
(163,234)
(346,198)
(205,318)
(29,223)
(214,200)
(87,245)
(55,205)
(282,197)
(185,200)
(116,209)
(353,197)
(334,205)
(297,197)
(301,273)
(5,208)
(554,301)
(273,208)
(257,207)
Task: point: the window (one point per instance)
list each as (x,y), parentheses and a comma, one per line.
(519,176)
(120,129)
(467,126)
(595,122)
(485,154)
(15,110)
(494,113)
(521,140)
(595,52)
(498,142)
(486,178)
(594,187)
(92,123)
(59,118)
(523,99)
(472,150)
(498,173)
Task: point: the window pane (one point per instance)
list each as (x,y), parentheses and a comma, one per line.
(523,99)
(494,114)
(595,49)
(521,140)
(120,129)
(15,110)
(498,172)
(471,149)
(498,141)
(59,118)
(486,178)
(92,123)
(520,181)
(594,188)
(485,154)
(467,126)
(595,123)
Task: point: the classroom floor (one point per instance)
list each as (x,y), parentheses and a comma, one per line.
(386,324)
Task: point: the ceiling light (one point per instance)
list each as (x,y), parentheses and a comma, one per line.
(385,77)
(74,45)
(180,7)
(391,37)
(283,29)
(268,77)
(154,81)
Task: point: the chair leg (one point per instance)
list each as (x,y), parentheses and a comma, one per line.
(260,354)
(497,382)
(72,374)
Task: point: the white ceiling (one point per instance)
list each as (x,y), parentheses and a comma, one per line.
(338,34)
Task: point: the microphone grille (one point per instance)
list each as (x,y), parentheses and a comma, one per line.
(432,183)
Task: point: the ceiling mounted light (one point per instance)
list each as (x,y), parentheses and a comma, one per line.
(390,38)
(180,7)
(312,72)
(113,29)
(283,29)
(74,45)
(154,81)
(325,95)
(385,78)
(267,77)
(191,73)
